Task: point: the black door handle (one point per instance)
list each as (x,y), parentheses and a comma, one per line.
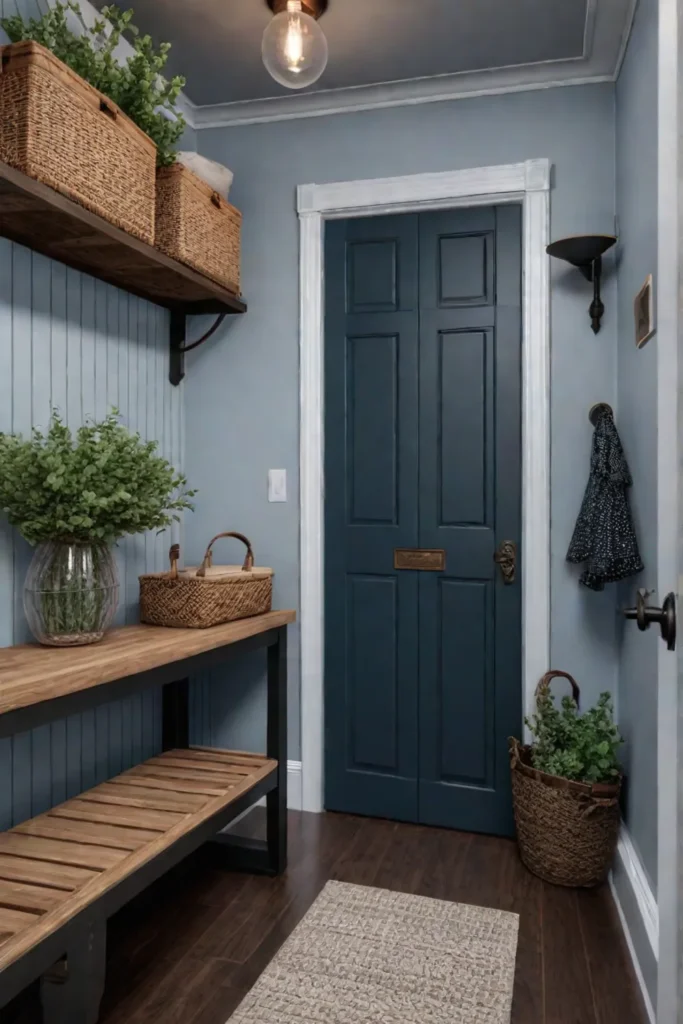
(644,615)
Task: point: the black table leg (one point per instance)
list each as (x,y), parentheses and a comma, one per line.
(72,991)
(238,853)
(276,801)
(175,715)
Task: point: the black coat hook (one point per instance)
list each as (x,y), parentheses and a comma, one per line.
(597,410)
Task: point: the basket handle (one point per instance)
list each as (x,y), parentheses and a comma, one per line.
(216,200)
(173,556)
(109,111)
(208,557)
(545,682)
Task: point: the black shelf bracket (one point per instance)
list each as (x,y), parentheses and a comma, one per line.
(178,348)
(176,369)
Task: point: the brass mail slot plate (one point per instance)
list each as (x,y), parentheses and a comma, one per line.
(424,559)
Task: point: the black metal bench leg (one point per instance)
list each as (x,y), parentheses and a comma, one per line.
(238,853)
(276,801)
(72,991)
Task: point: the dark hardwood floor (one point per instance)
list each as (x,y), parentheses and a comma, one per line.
(188,949)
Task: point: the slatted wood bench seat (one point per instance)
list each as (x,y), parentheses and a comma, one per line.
(64,872)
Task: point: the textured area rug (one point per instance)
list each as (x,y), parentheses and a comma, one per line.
(368,956)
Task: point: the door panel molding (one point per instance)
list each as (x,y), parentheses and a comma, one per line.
(527,184)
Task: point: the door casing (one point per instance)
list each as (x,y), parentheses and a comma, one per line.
(527,184)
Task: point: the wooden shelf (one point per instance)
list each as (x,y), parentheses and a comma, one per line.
(55,865)
(43,220)
(49,223)
(33,675)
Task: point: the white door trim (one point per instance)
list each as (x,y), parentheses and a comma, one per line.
(669,476)
(527,183)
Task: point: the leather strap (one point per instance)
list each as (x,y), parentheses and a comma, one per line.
(208,556)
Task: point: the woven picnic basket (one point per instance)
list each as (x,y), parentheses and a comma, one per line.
(197,226)
(207,596)
(59,130)
(567,831)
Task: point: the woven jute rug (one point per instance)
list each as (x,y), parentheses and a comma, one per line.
(368,956)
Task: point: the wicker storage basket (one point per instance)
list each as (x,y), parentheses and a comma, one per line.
(567,831)
(59,130)
(207,596)
(197,226)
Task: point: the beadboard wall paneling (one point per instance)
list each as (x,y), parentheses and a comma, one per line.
(78,345)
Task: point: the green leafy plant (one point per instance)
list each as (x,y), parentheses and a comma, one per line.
(137,86)
(99,486)
(581,747)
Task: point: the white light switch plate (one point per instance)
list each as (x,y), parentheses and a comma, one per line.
(277,485)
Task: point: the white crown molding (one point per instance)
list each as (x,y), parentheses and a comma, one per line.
(625,36)
(412,92)
(529,184)
(602,55)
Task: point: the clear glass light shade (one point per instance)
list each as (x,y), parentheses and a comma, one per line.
(294,48)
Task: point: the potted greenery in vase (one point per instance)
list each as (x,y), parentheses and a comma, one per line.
(73,498)
(566,786)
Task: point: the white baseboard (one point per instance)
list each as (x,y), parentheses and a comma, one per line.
(294,786)
(647,906)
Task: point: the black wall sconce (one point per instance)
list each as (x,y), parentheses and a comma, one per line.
(585,252)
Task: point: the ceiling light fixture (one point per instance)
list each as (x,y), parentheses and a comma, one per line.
(294,47)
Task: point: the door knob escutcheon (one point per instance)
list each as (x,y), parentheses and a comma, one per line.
(506,559)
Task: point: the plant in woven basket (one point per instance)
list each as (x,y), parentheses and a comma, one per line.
(73,497)
(136,86)
(575,746)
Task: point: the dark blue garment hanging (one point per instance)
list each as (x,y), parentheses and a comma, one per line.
(604,536)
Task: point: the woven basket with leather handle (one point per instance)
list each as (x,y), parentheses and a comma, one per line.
(567,831)
(197,226)
(207,596)
(58,129)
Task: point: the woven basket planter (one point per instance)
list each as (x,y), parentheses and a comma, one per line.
(567,831)
(56,128)
(207,596)
(196,226)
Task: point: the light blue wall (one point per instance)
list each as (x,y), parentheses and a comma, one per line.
(69,342)
(636,110)
(242,388)
(81,346)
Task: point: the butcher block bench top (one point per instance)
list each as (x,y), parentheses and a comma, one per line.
(30,674)
(55,865)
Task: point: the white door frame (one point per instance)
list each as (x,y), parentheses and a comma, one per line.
(669,296)
(526,183)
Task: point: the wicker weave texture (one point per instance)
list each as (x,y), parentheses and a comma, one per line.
(566,834)
(200,603)
(196,226)
(57,129)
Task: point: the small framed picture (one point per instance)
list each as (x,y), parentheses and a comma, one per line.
(643,313)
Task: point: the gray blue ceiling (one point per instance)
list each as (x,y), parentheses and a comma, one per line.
(216,43)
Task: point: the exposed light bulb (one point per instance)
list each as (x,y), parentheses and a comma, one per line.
(294,47)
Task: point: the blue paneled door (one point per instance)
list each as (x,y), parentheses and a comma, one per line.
(422,454)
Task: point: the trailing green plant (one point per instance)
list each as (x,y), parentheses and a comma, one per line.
(581,747)
(136,86)
(101,485)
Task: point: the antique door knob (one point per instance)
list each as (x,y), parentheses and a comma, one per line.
(645,614)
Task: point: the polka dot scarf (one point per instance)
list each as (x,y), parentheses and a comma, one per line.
(604,536)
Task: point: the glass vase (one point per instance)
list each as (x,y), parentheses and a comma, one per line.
(71,593)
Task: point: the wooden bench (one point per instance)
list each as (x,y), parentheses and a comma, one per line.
(64,872)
